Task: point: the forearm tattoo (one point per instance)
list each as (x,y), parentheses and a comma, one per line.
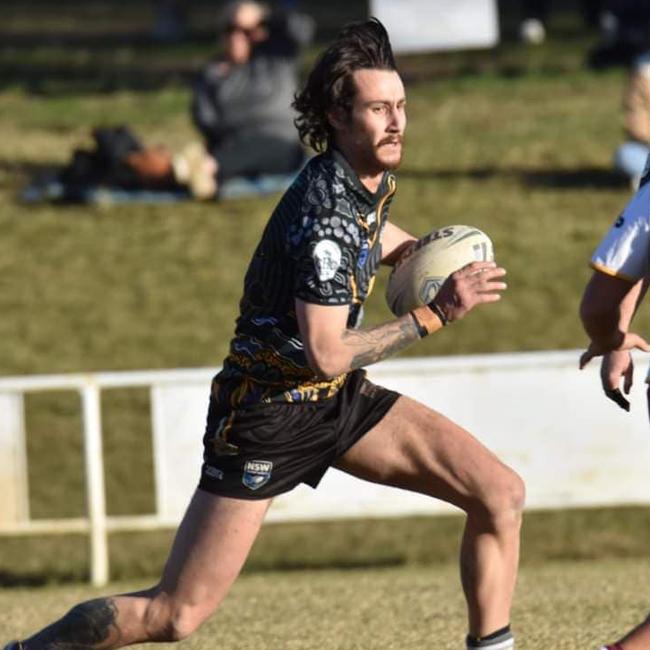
(89,625)
(377,343)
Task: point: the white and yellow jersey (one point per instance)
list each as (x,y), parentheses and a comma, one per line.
(624,252)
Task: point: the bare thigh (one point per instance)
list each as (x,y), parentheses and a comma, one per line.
(418,449)
(210,548)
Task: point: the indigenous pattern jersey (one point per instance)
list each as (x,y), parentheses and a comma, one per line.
(625,250)
(322,244)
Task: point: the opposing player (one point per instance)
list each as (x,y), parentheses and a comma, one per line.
(292,398)
(610,300)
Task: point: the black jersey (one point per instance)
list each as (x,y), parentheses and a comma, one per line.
(322,244)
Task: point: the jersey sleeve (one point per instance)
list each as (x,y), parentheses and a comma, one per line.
(325,252)
(624,251)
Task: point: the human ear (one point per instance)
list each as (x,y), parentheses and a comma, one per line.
(338,118)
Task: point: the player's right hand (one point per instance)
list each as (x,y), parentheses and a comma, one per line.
(616,364)
(614,367)
(474,284)
(625,341)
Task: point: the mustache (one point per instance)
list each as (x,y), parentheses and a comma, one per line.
(393,139)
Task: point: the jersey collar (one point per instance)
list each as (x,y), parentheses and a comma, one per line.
(352,182)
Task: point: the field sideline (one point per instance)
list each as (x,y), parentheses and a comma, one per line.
(559,605)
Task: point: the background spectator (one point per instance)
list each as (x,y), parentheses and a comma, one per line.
(241,101)
(630,157)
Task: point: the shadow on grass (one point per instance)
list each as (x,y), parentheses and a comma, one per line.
(16,175)
(105,61)
(567,179)
(20,579)
(558,535)
(322,564)
(83,42)
(55,79)
(103,75)
(9,579)
(27,168)
(583,177)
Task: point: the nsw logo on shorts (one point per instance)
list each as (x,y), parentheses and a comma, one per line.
(257,473)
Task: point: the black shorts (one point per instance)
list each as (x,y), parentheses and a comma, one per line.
(266,449)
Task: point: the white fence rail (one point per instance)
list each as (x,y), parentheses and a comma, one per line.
(535,410)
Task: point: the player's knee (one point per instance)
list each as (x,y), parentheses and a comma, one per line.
(168,621)
(175,626)
(503,499)
(510,496)
(516,493)
(184,622)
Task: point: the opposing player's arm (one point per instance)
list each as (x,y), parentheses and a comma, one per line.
(608,305)
(394,242)
(607,308)
(331,348)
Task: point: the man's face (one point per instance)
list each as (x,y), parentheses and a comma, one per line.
(372,133)
(242,31)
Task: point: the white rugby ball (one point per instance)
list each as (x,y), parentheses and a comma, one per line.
(421,271)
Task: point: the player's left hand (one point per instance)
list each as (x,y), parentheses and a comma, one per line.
(474,284)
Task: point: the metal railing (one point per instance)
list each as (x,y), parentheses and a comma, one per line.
(97,523)
(535,410)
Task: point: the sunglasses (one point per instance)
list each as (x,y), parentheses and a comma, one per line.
(233,28)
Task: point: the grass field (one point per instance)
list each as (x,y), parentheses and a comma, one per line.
(564,606)
(517,142)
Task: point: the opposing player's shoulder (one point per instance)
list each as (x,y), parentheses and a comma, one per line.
(633,221)
(623,251)
(637,210)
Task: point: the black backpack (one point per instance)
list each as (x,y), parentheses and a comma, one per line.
(103,165)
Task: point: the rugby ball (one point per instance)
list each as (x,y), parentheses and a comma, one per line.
(420,272)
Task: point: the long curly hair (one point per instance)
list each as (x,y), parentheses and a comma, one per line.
(358,46)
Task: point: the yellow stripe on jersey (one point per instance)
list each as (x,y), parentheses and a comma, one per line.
(353,286)
(612,272)
(371,285)
(392,187)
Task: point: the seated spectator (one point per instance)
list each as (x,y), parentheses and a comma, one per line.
(241,102)
(241,106)
(630,157)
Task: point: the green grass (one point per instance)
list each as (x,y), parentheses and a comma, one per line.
(547,536)
(517,142)
(157,286)
(568,606)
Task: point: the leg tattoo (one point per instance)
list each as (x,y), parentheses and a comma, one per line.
(89,625)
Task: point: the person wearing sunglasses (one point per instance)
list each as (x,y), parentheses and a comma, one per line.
(242,99)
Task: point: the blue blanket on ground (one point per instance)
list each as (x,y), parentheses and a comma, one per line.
(53,191)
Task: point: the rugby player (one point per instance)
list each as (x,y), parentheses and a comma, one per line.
(292,398)
(610,300)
